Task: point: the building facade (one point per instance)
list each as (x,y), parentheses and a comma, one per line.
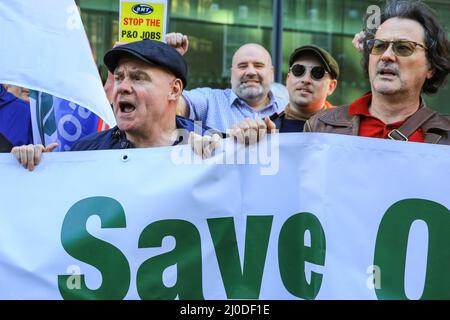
(216,28)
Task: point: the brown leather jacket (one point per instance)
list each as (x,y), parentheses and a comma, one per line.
(338,120)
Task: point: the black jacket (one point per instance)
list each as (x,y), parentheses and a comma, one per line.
(5,144)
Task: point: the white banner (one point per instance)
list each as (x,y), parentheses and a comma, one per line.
(44,47)
(338,217)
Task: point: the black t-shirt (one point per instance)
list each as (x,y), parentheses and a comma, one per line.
(287,125)
(5,145)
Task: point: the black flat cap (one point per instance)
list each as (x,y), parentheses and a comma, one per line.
(153,52)
(329,62)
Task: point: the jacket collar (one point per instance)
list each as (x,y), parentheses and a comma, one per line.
(436,127)
(120,138)
(433,128)
(339,117)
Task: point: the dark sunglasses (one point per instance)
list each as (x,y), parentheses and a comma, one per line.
(401,48)
(299,70)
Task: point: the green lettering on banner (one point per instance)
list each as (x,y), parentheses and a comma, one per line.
(391,247)
(187,256)
(241,283)
(81,245)
(292,254)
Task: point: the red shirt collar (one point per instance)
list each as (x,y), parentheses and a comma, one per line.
(361,106)
(371,126)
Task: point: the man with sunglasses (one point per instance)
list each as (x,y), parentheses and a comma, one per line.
(312,77)
(408,54)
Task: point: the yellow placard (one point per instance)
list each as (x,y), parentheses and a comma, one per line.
(141,20)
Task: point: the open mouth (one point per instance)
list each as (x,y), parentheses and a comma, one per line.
(251,82)
(126,107)
(387,72)
(304,90)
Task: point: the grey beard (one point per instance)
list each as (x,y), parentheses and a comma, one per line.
(250,93)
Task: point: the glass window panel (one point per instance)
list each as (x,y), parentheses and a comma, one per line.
(100,5)
(312,15)
(251,12)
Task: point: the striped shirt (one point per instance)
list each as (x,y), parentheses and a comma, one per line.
(222,108)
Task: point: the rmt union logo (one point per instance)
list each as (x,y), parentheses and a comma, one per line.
(142,9)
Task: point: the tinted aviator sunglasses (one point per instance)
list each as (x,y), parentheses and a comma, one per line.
(299,70)
(401,48)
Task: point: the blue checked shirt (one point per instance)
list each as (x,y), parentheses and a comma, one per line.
(222,108)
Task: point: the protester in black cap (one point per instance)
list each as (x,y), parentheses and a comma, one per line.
(149,77)
(312,77)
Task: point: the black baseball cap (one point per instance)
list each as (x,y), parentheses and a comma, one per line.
(153,52)
(327,59)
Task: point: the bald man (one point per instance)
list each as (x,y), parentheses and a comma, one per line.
(249,97)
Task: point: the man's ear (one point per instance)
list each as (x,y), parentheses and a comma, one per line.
(176,90)
(287,77)
(431,72)
(331,86)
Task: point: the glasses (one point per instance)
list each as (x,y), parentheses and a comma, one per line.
(299,70)
(401,48)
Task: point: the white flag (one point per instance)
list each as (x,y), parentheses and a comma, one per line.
(44,47)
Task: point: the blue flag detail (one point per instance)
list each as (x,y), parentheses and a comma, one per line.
(61,121)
